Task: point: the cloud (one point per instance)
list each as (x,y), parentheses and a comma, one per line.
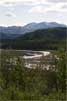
(58,7)
(28,2)
(65,6)
(57,0)
(10,14)
(21,1)
(37,5)
(37,9)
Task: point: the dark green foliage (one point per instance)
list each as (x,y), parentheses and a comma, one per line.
(23,84)
(46,39)
(47,34)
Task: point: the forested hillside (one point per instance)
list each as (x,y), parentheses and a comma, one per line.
(48,39)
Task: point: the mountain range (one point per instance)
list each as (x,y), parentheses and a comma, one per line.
(16,31)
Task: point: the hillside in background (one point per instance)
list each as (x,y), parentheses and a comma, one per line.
(45,34)
(52,38)
(15,31)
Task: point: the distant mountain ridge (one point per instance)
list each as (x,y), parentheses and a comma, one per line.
(47,39)
(15,31)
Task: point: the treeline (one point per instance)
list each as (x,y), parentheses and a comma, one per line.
(47,39)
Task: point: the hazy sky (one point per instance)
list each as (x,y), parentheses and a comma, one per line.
(21,12)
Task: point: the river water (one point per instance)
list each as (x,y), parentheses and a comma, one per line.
(35,59)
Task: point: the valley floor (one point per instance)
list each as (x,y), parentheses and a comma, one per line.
(27,75)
